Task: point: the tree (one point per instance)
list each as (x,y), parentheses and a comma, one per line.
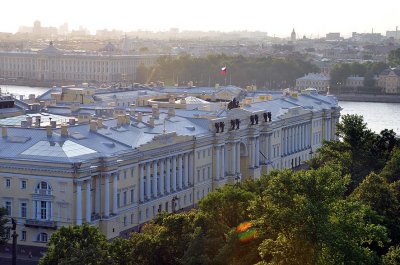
(80,245)
(3,228)
(375,192)
(394,57)
(391,171)
(392,257)
(141,74)
(303,218)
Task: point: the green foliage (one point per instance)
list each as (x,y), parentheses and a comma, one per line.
(271,72)
(394,57)
(80,245)
(391,171)
(141,74)
(3,227)
(392,257)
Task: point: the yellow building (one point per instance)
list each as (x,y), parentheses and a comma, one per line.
(118,174)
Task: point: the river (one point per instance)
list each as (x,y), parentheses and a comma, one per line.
(378,116)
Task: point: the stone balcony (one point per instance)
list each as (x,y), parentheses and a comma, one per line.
(41,223)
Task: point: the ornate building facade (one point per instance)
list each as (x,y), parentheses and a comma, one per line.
(118,174)
(52,64)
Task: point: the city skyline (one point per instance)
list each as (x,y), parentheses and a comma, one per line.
(309,17)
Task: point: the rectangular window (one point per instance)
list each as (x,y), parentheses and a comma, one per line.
(125,173)
(8,183)
(118,204)
(23,235)
(204,173)
(198,175)
(8,207)
(125,198)
(132,218)
(208,172)
(23,209)
(132,196)
(125,221)
(43,210)
(23,184)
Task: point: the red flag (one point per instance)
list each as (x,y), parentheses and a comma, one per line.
(223,70)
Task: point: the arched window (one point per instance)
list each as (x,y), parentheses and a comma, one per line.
(42,237)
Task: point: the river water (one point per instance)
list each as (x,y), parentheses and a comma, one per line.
(378,116)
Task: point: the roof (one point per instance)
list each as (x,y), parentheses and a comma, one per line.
(387,71)
(314,77)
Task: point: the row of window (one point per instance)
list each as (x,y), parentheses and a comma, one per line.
(42,209)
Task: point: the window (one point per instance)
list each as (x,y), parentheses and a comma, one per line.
(204,153)
(125,173)
(147,212)
(131,172)
(132,218)
(209,152)
(208,172)
(125,220)
(140,216)
(204,173)
(118,200)
(43,210)
(8,207)
(198,175)
(23,210)
(8,183)
(23,235)
(125,198)
(23,184)
(132,196)
(42,237)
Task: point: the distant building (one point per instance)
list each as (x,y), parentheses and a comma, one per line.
(389,79)
(52,64)
(333,36)
(293,36)
(395,34)
(355,81)
(312,80)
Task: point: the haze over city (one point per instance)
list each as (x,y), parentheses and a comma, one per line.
(311,18)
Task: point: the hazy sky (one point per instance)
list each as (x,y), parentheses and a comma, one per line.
(308,17)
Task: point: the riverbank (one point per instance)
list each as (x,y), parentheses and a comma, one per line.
(369,98)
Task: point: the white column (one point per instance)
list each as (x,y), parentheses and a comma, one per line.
(162,176)
(180,173)
(79,203)
(141,182)
(301,136)
(148,181)
(168,175)
(233,148)
(257,151)
(270,147)
(266,148)
(222,174)
(286,143)
(107,195)
(98,198)
(115,192)
(174,173)
(293,137)
(238,157)
(186,170)
(88,201)
(217,163)
(253,153)
(155,179)
(191,168)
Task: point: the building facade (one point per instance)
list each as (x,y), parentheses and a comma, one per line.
(389,80)
(120,173)
(54,65)
(312,80)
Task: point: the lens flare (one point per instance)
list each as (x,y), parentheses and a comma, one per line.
(245,232)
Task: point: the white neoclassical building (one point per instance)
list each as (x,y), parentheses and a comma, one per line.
(118,174)
(52,64)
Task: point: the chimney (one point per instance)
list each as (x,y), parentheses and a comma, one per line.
(140,117)
(29,120)
(156,111)
(120,120)
(4,132)
(151,121)
(53,124)
(99,123)
(127,119)
(49,131)
(171,111)
(171,99)
(71,121)
(93,126)
(24,124)
(64,130)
